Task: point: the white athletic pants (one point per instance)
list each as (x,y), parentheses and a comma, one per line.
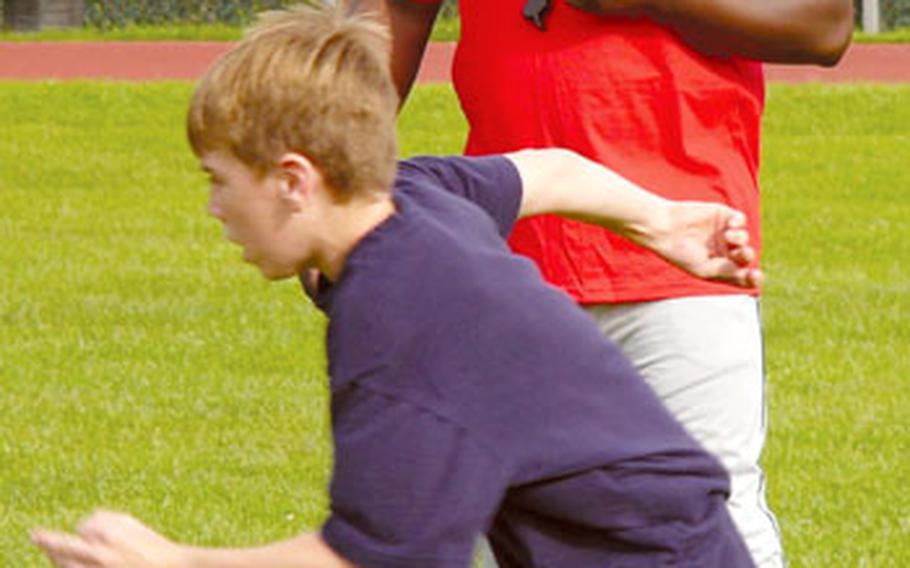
(703,357)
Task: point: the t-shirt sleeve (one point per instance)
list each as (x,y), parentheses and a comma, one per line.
(409,489)
(490,182)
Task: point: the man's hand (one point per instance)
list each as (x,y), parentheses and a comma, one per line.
(705,239)
(109,540)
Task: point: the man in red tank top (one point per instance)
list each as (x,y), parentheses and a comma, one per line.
(670,94)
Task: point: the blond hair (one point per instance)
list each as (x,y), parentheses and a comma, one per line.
(310,80)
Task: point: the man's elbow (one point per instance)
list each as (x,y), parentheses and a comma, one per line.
(829,41)
(830,50)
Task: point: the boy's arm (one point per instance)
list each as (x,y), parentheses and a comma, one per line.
(708,240)
(778,31)
(114,540)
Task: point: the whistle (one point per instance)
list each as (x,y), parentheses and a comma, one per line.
(536,10)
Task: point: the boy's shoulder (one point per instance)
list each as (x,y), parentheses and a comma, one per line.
(438,259)
(465,190)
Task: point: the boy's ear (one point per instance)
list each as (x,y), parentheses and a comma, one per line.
(299,179)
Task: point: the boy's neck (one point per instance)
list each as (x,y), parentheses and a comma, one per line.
(346,226)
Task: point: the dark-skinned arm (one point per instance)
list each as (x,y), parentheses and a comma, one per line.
(410,24)
(776,31)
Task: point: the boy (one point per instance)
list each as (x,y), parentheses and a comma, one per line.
(463,388)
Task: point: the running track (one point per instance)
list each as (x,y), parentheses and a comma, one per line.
(151,61)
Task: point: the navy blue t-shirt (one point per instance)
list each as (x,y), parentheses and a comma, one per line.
(468,396)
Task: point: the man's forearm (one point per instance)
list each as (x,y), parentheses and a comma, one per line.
(783,31)
(410,24)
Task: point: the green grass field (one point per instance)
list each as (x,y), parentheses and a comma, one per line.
(143,367)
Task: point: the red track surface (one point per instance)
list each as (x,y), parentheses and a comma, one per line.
(150,61)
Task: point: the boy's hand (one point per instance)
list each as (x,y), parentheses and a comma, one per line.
(109,540)
(705,239)
(708,240)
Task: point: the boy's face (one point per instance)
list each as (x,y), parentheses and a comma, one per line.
(256,215)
